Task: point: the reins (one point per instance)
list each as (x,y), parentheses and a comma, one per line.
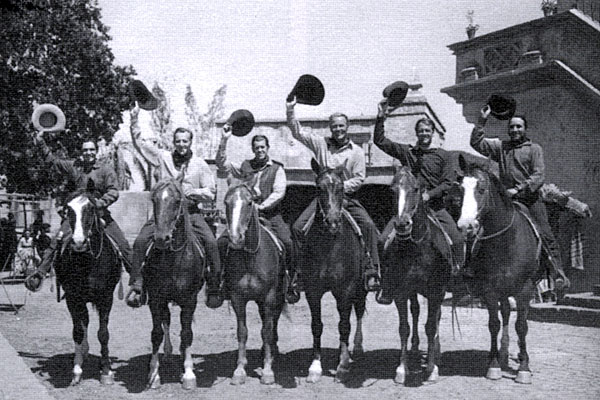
(500,232)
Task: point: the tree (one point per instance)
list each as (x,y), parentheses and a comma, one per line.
(202,124)
(55,51)
(162,125)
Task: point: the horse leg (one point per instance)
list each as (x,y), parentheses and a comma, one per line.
(359,309)
(106,374)
(494,372)
(415,310)
(267,311)
(432,329)
(524,373)
(166,327)
(404,331)
(239,306)
(344,307)
(505,340)
(314,302)
(158,315)
(187,336)
(80,317)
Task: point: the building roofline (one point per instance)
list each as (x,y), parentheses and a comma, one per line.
(492,37)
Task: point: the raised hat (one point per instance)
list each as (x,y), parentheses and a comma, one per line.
(140,93)
(48,117)
(241,121)
(502,106)
(308,90)
(396,93)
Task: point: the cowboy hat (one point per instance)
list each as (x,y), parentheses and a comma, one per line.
(502,106)
(48,117)
(308,90)
(241,122)
(395,93)
(140,93)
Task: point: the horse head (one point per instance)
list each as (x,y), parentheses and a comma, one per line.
(82,215)
(478,191)
(239,208)
(407,198)
(168,201)
(330,185)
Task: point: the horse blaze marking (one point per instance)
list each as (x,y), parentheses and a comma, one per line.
(77,205)
(165,195)
(401,201)
(236,213)
(468,213)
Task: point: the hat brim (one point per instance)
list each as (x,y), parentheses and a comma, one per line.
(502,107)
(396,93)
(140,93)
(39,113)
(308,90)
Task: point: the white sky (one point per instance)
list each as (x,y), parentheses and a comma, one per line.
(260,47)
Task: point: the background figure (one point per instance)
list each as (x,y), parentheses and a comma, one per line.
(28,258)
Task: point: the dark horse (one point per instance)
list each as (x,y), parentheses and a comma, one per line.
(254,273)
(174,272)
(413,265)
(505,257)
(88,270)
(333,259)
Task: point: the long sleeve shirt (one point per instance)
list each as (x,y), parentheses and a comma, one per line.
(432,167)
(77,176)
(329,155)
(198,181)
(521,165)
(242,170)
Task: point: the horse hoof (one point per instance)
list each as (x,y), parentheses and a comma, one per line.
(524,377)
(188,383)
(76,380)
(108,379)
(313,377)
(357,352)
(154,382)
(434,375)
(400,376)
(494,373)
(341,374)
(238,378)
(267,379)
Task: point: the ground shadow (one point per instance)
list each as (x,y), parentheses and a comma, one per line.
(464,363)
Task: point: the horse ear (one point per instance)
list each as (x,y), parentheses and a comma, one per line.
(314,165)
(462,163)
(91,185)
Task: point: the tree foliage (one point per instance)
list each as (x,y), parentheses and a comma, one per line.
(202,124)
(55,51)
(161,122)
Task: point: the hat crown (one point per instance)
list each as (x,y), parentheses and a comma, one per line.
(241,121)
(308,90)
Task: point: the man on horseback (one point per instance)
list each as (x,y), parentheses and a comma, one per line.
(434,170)
(332,152)
(77,174)
(521,164)
(270,188)
(198,185)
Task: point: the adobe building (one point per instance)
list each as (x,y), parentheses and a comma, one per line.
(551,67)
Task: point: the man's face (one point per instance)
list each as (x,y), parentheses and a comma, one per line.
(88,152)
(182,142)
(260,149)
(339,129)
(424,135)
(516,129)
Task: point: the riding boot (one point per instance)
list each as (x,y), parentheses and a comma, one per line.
(34,281)
(371,276)
(135,296)
(384,296)
(214,289)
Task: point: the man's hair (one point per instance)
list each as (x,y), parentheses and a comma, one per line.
(425,121)
(337,115)
(89,140)
(522,117)
(183,130)
(258,138)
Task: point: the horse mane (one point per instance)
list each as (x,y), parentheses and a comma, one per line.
(497,185)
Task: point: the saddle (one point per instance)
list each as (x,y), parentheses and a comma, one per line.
(345,213)
(280,247)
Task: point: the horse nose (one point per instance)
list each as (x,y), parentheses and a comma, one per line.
(468,228)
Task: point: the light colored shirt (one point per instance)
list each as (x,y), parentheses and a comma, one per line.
(242,170)
(329,155)
(198,181)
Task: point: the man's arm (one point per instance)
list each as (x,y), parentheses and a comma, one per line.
(448,176)
(64,167)
(358,171)
(278,191)
(487,147)
(314,142)
(537,177)
(392,149)
(150,153)
(221,158)
(111,190)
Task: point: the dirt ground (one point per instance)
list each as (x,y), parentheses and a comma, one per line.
(565,360)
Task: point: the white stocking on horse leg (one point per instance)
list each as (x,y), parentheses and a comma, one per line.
(189,378)
(315,372)
(153,377)
(400,374)
(78,362)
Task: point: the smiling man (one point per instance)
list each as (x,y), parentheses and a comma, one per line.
(435,172)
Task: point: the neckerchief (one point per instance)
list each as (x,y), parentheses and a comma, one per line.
(179,159)
(258,164)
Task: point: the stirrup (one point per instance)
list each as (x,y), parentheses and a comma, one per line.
(292,295)
(367,275)
(34,282)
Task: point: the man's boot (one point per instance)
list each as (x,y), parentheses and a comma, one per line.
(136,296)
(371,277)
(292,294)
(34,281)
(214,289)
(384,296)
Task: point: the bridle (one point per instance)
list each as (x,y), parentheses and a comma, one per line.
(254,216)
(178,216)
